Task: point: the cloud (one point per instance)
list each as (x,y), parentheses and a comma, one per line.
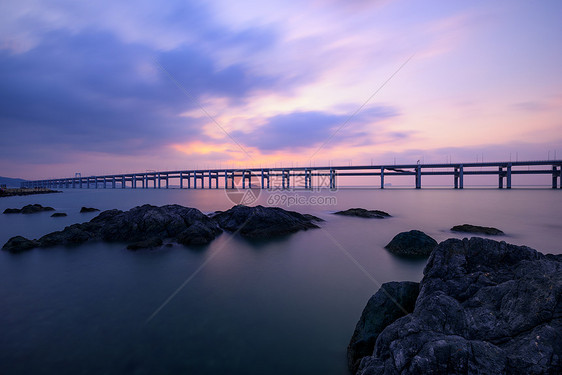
(310,129)
(91,92)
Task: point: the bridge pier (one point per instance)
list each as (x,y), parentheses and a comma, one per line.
(214,176)
(333,179)
(286,178)
(555,175)
(382,177)
(229,175)
(500,178)
(509,176)
(459,177)
(246,175)
(264,176)
(418,177)
(307,179)
(199,176)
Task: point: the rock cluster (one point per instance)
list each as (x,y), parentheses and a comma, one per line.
(263,222)
(28,209)
(414,243)
(484,307)
(361,212)
(148,226)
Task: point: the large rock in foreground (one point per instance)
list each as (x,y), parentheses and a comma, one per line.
(469,228)
(392,301)
(414,243)
(485,307)
(142,227)
(263,222)
(361,212)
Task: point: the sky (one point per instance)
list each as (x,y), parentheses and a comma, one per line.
(116,87)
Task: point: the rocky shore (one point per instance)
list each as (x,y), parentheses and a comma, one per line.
(483,307)
(149,226)
(10,192)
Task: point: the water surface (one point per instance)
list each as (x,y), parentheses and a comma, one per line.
(238,307)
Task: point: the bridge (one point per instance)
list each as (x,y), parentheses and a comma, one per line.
(303,176)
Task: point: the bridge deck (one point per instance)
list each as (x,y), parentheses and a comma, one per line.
(304,175)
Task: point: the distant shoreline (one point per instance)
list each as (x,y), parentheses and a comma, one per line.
(12,192)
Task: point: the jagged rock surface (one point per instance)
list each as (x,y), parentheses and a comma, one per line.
(361,212)
(264,222)
(142,226)
(414,243)
(392,301)
(484,307)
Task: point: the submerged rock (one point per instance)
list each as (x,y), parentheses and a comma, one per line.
(141,226)
(361,212)
(468,228)
(392,301)
(28,209)
(88,209)
(264,222)
(484,307)
(59,214)
(413,243)
(146,244)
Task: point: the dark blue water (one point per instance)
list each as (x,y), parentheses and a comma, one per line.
(236,307)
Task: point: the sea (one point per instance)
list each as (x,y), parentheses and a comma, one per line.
(287,305)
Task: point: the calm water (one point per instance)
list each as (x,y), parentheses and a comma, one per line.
(287,306)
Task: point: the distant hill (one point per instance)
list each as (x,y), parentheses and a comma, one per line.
(11,182)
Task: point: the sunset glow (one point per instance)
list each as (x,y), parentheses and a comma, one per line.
(175,85)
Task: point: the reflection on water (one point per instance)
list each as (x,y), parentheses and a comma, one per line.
(283,306)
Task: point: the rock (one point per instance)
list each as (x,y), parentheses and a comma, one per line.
(392,301)
(484,307)
(88,209)
(145,226)
(59,214)
(144,222)
(28,209)
(18,244)
(361,212)
(468,228)
(34,208)
(146,244)
(413,243)
(263,222)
